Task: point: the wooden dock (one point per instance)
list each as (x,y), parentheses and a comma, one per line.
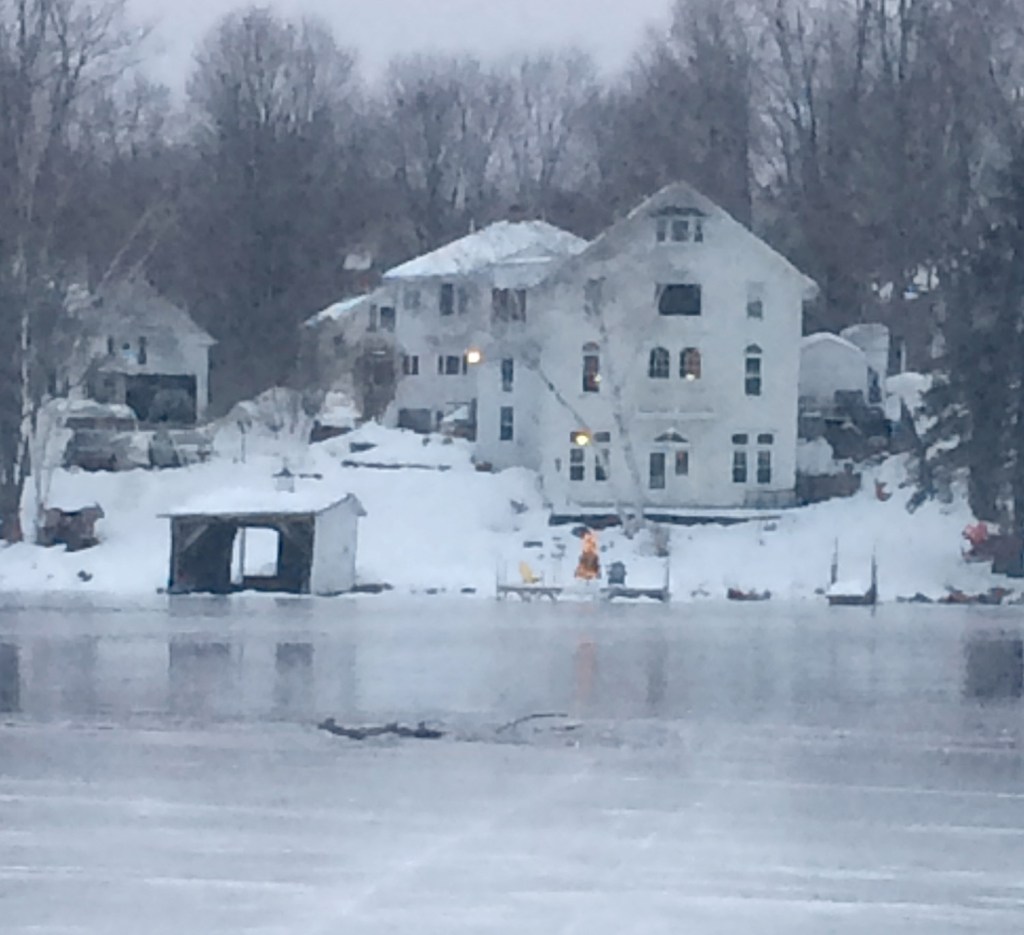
(632,594)
(527,592)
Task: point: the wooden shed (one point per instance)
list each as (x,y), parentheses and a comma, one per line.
(316,537)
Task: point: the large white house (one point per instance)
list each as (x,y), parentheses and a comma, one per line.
(656,369)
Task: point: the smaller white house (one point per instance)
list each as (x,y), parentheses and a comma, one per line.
(140,350)
(314,539)
(830,364)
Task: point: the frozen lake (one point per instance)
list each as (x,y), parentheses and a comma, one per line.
(761,768)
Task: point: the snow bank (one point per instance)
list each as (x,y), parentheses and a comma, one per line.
(815,457)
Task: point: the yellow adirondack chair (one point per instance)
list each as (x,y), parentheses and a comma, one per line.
(528,575)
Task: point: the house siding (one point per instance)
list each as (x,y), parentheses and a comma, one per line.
(706,412)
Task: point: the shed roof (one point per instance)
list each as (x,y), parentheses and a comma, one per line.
(498,243)
(233,503)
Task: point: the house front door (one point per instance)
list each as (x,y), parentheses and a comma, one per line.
(668,477)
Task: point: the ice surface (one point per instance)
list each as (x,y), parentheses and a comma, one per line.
(739,769)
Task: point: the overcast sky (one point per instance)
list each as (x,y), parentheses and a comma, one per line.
(379,29)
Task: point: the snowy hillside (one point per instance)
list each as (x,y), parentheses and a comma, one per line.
(443,526)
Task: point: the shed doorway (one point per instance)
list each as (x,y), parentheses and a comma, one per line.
(255,554)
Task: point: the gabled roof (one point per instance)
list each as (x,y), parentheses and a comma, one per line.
(499,243)
(337,311)
(681,196)
(136,302)
(820,338)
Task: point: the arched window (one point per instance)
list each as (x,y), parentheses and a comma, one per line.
(591,368)
(752,371)
(689,364)
(659,364)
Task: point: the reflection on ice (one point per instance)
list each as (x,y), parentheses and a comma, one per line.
(10,678)
(293,688)
(200,677)
(994,666)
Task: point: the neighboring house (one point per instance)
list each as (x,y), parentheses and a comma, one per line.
(830,364)
(842,397)
(344,348)
(443,306)
(138,349)
(874,340)
(656,370)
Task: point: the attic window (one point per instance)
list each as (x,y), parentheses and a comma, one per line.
(679,299)
(679,225)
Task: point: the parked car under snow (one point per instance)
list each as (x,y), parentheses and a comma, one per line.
(105,437)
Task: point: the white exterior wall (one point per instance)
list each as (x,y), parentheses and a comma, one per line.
(523,450)
(827,364)
(166,354)
(334,550)
(426,333)
(709,411)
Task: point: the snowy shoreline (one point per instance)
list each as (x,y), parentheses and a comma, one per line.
(457,532)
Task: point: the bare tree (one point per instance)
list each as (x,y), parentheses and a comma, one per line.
(52,54)
(548,136)
(686,111)
(261,229)
(442,120)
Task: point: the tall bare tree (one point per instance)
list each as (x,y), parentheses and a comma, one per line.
(261,232)
(53,53)
(549,136)
(440,124)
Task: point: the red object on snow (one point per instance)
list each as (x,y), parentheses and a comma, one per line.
(976,534)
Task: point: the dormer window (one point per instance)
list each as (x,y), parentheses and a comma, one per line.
(679,225)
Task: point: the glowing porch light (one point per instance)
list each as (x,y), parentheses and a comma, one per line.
(474,356)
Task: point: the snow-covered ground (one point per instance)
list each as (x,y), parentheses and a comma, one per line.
(441,525)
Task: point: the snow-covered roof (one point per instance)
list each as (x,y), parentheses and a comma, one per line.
(499,243)
(264,501)
(683,196)
(827,337)
(135,302)
(336,311)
